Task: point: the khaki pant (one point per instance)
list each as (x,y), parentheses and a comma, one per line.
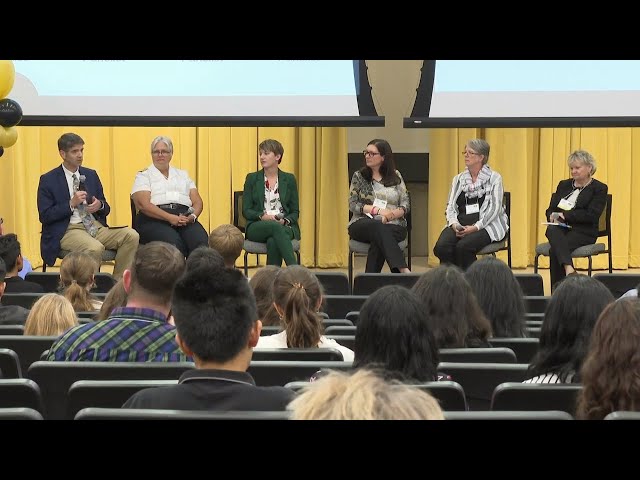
(123,240)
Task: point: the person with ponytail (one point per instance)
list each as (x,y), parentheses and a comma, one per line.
(77,280)
(297,296)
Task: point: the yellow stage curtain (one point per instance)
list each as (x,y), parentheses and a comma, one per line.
(532,161)
(217,158)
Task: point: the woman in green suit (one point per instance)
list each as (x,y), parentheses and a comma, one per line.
(270,205)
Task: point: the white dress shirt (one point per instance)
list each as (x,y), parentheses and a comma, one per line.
(172,189)
(279,340)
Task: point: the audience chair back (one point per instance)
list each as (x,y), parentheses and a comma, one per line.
(367,283)
(55,378)
(137,414)
(337,306)
(11,330)
(618,283)
(28,348)
(535,396)
(19,414)
(255,248)
(279,373)
(623,415)
(478,355)
(536,304)
(505,243)
(587,251)
(530,283)
(334,283)
(524,348)
(50,281)
(9,364)
(297,354)
(348,341)
(495,415)
(20,393)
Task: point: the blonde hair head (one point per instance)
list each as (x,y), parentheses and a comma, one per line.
(51,315)
(76,279)
(363,395)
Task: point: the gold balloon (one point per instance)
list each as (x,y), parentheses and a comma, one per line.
(8,136)
(7,77)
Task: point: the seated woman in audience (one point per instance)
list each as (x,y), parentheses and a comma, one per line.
(452,310)
(262,285)
(499,295)
(394,336)
(77,280)
(117,297)
(566,329)
(363,395)
(50,315)
(379,202)
(297,297)
(610,373)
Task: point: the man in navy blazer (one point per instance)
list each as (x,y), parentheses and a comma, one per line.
(62,226)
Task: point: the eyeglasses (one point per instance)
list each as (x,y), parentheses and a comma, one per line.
(468,152)
(161,152)
(367,153)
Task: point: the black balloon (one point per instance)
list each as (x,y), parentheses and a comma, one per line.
(10,113)
(1,151)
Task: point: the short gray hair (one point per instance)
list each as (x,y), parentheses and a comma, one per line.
(583,157)
(481,147)
(162,138)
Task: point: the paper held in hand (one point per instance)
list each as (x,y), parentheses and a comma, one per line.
(557,224)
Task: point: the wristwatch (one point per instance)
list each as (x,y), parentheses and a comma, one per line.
(195,217)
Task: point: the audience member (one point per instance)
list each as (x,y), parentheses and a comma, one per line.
(138,332)
(394,335)
(610,380)
(363,395)
(297,297)
(77,279)
(452,309)
(228,241)
(117,297)
(204,256)
(12,255)
(379,202)
(499,295)
(73,211)
(577,203)
(262,285)
(566,329)
(475,214)
(215,317)
(50,315)
(270,205)
(10,314)
(168,202)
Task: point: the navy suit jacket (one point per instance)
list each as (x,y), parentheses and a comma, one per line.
(54,210)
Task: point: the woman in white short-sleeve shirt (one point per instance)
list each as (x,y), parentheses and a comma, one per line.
(297,296)
(167,202)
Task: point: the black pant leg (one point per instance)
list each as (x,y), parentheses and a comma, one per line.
(445,247)
(563,242)
(193,235)
(151,229)
(468,246)
(383,243)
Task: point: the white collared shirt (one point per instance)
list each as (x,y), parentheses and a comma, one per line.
(173,189)
(68,174)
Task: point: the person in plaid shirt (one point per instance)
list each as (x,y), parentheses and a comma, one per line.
(142,331)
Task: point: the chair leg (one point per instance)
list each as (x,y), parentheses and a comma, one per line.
(589,265)
(535,264)
(350,270)
(246,267)
(298,255)
(610,261)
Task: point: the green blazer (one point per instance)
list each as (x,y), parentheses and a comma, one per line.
(253,198)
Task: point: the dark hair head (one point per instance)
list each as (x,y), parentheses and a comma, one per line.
(262,285)
(9,250)
(393,334)
(499,296)
(117,297)
(156,268)
(204,256)
(77,271)
(575,305)
(214,312)
(69,140)
(610,372)
(297,291)
(388,166)
(272,146)
(453,312)
(3,271)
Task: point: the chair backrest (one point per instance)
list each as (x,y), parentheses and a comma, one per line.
(348,341)
(623,415)
(604,222)
(238,218)
(367,283)
(450,395)
(524,348)
(336,322)
(530,283)
(20,393)
(134,213)
(270,330)
(29,348)
(535,396)
(107,393)
(536,304)
(495,415)
(478,355)
(334,283)
(337,306)
(11,330)
(297,354)
(9,364)
(55,378)
(136,414)
(353,316)
(25,300)
(267,373)
(19,414)
(618,283)
(480,379)
(340,330)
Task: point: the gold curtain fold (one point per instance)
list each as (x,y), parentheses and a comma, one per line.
(532,161)
(217,158)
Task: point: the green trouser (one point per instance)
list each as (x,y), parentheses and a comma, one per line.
(278,239)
